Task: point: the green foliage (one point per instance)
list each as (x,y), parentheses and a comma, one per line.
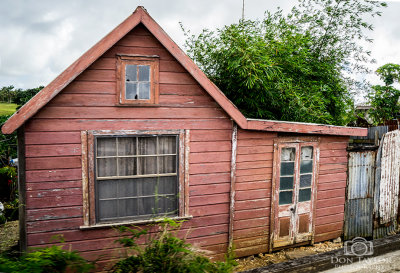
(7,108)
(51,259)
(289,67)
(385,99)
(8,145)
(17,96)
(164,252)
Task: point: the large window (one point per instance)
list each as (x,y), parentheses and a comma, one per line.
(134,176)
(137,79)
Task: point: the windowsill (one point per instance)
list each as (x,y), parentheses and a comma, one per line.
(150,221)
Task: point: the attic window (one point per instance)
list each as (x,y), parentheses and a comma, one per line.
(137,79)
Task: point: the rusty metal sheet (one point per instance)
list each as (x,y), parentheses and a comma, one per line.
(359,220)
(361,174)
(389,184)
(383,231)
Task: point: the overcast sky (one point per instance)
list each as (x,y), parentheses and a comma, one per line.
(40,38)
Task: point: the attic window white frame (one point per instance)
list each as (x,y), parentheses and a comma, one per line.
(153,62)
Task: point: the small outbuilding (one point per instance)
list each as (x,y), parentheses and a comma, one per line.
(133,131)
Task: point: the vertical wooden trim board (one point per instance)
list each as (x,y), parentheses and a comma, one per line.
(85,178)
(22,189)
(187,153)
(233,180)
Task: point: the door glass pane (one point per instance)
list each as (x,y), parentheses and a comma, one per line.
(130,73)
(305,180)
(306,166)
(288,154)
(131,91)
(106,167)
(287,168)
(285,197)
(304,195)
(306,153)
(126,146)
(144,73)
(106,147)
(286,183)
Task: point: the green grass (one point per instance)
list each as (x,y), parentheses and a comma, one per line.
(7,108)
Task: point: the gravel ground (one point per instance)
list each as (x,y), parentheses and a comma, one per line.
(9,234)
(265,259)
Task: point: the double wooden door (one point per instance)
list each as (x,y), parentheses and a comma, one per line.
(294,187)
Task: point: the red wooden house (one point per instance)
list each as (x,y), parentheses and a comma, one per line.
(133,130)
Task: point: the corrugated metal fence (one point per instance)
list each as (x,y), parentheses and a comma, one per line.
(373,189)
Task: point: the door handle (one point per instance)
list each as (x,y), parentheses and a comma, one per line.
(292,209)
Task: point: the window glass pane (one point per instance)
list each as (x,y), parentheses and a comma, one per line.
(144,73)
(127,166)
(305,195)
(127,187)
(167,205)
(306,166)
(147,165)
(306,153)
(108,189)
(167,145)
(131,73)
(286,183)
(108,209)
(147,186)
(288,154)
(144,90)
(147,145)
(106,167)
(127,207)
(168,185)
(305,180)
(285,197)
(287,168)
(106,146)
(131,91)
(146,206)
(126,146)
(167,164)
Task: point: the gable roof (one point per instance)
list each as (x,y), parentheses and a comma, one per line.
(141,16)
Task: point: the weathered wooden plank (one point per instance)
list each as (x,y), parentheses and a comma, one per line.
(82,100)
(253,204)
(212,146)
(53,175)
(209,199)
(254,157)
(328,236)
(52,138)
(204,221)
(186,101)
(252,214)
(331,202)
(54,192)
(212,178)
(251,223)
(338,217)
(255,142)
(209,157)
(332,160)
(209,210)
(97,75)
(336,138)
(50,163)
(319,229)
(126,124)
(52,225)
(321,212)
(335,153)
(104,63)
(252,194)
(53,185)
(255,150)
(333,146)
(244,252)
(332,177)
(243,172)
(54,213)
(249,134)
(251,241)
(266,177)
(321,195)
(210,240)
(176,78)
(211,135)
(219,167)
(139,41)
(90,87)
(127,112)
(331,185)
(209,189)
(183,90)
(254,164)
(252,232)
(336,166)
(52,150)
(146,51)
(206,231)
(171,66)
(54,201)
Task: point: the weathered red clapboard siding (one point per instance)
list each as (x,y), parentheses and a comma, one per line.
(331,188)
(53,150)
(253,192)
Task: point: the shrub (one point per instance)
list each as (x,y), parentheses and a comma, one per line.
(164,252)
(50,259)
